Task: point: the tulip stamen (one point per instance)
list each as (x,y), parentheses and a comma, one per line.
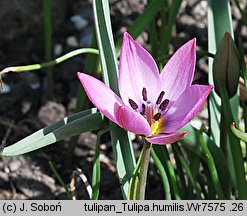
(144,94)
(160,97)
(143,109)
(164,104)
(133,104)
(157,116)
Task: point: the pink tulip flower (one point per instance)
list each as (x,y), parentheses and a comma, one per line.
(152,104)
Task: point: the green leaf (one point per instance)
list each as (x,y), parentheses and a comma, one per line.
(49,63)
(163,175)
(166,31)
(219,22)
(143,21)
(234,152)
(242,61)
(191,142)
(70,126)
(188,171)
(163,155)
(106,44)
(241,135)
(211,165)
(60,180)
(96,176)
(122,146)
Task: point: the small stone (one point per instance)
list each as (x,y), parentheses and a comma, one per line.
(72,41)
(4,88)
(58,49)
(51,112)
(14,165)
(79,22)
(4,177)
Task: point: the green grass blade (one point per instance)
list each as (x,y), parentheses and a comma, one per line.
(59,178)
(69,126)
(191,142)
(96,176)
(194,164)
(188,171)
(49,63)
(163,175)
(106,44)
(122,146)
(153,35)
(167,28)
(211,166)
(162,153)
(235,149)
(241,135)
(243,14)
(48,43)
(219,22)
(242,61)
(143,21)
(181,175)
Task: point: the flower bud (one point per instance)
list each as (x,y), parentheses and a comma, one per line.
(226,68)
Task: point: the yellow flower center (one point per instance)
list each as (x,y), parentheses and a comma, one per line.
(156,124)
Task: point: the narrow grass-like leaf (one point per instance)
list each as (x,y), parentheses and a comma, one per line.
(143,21)
(211,166)
(235,148)
(69,126)
(48,43)
(243,14)
(50,63)
(241,135)
(188,171)
(122,146)
(181,175)
(162,153)
(61,181)
(219,22)
(96,176)
(163,175)
(194,164)
(191,142)
(242,61)
(211,193)
(153,35)
(167,27)
(106,44)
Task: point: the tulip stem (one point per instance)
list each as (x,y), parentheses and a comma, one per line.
(143,170)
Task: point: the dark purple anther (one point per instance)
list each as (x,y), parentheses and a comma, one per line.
(157,116)
(164,104)
(144,94)
(133,104)
(160,97)
(143,109)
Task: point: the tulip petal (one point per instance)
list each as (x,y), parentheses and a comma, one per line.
(132,121)
(178,73)
(166,138)
(101,96)
(137,70)
(185,108)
